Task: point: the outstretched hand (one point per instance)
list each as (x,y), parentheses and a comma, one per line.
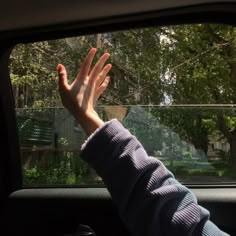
(81,95)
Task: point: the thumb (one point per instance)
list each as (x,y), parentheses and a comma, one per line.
(62,74)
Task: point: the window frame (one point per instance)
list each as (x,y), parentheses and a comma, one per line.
(214,13)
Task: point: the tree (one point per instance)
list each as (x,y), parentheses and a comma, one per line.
(174,65)
(201,62)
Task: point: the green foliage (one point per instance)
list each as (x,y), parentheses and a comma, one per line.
(187,169)
(174,65)
(56,169)
(187,155)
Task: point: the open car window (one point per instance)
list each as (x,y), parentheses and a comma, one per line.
(173,87)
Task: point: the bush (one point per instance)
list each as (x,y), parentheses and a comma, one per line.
(64,168)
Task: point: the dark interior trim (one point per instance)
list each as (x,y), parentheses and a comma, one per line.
(217,195)
(220,202)
(10,164)
(211,13)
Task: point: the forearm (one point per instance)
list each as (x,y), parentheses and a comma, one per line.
(150,201)
(90,123)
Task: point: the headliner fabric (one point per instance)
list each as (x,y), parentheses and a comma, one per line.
(16,14)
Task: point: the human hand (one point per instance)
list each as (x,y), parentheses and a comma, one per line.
(81,95)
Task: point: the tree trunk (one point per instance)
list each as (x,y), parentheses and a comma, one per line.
(232,143)
(200,137)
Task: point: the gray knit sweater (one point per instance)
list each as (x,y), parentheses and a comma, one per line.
(150,200)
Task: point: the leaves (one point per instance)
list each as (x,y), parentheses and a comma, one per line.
(185,64)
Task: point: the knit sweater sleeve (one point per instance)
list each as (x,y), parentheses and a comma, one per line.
(150,200)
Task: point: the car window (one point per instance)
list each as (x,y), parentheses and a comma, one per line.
(173,87)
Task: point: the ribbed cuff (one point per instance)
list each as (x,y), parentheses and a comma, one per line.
(98,141)
(94,133)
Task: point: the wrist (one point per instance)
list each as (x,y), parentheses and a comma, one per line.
(90,123)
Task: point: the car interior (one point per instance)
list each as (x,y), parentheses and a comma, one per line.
(68,206)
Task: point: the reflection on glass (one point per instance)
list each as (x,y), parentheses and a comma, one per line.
(185,138)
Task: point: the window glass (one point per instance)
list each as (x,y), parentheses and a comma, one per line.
(173,87)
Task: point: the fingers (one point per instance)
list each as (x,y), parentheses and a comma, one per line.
(102,87)
(62,74)
(97,75)
(103,74)
(86,64)
(99,66)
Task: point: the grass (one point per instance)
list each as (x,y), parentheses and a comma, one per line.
(186,168)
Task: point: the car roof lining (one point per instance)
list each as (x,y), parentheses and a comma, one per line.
(31,14)
(204,13)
